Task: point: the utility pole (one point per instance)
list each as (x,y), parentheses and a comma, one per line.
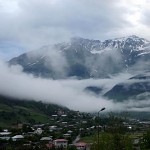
(98,127)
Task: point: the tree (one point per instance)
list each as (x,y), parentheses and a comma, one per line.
(145,143)
(72,147)
(26,128)
(114,137)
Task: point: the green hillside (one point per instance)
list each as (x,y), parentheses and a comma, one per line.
(14,111)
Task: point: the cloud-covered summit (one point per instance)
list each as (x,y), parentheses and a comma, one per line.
(84,58)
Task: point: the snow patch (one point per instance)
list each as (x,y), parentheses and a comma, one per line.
(143,53)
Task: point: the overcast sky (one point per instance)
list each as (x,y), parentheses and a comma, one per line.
(29,24)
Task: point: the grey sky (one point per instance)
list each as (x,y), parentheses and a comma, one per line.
(34,23)
(29,24)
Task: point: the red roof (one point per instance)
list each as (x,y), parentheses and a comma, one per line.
(81,144)
(61,140)
(50,145)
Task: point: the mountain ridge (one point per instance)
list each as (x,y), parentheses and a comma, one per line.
(85,58)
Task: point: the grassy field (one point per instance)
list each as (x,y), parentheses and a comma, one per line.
(14,111)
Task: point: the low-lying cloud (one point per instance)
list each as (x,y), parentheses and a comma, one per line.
(69,93)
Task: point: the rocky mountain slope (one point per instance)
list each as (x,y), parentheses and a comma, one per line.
(130,91)
(135,88)
(84,58)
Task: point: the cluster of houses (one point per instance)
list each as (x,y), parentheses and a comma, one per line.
(60,123)
(70,128)
(49,142)
(58,143)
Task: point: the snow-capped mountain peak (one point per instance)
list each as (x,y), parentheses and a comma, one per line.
(86,58)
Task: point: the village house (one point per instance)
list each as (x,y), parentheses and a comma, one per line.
(61,143)
(67,135)
(64,123)
(38,131)
(17,137)
(52,128)
(81,146)
(46,138)
(5,135)
(54,116)
(63,115)
(70,131)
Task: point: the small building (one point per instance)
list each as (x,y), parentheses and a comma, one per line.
(46,139)
(5,138)
(38,131)
(5,135)
(5,130)
(81,146)
(31,133)
(19,125)
(50,145)
(17,137)
(71,125)
(64,123)
(61,143)
(67,135)
(63,115)
(54,115)
(52,128)
(70,131)
(84,122)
